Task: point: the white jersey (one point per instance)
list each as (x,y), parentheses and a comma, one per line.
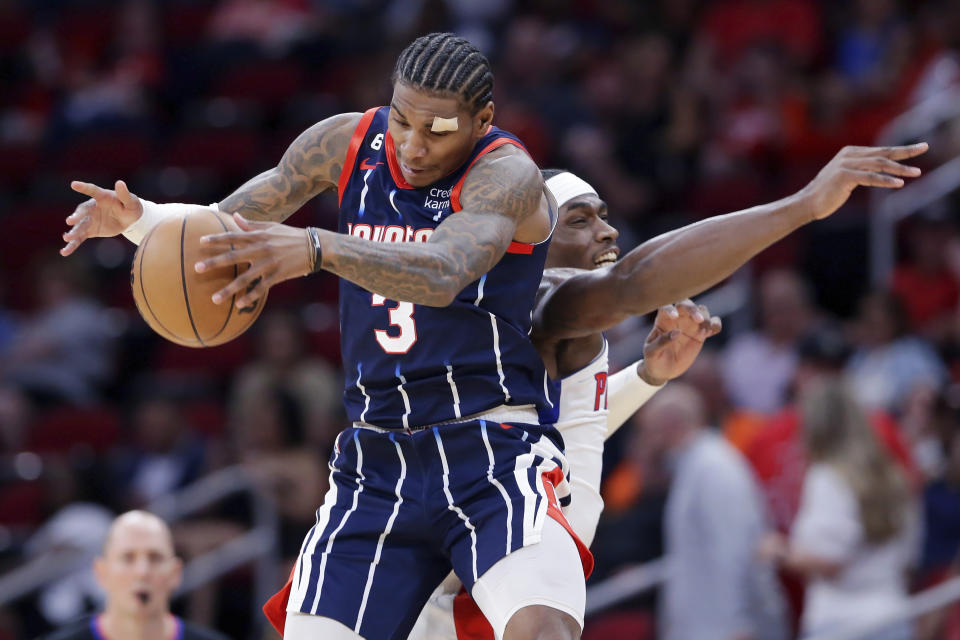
(582,421)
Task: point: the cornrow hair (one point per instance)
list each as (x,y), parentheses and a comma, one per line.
(446,63)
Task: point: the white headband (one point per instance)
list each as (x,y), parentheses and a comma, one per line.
(566,186)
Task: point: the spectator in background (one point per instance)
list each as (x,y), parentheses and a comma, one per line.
(778,455)
(940,560)
(856,532)
(8,321)
(730,27)
(872,50)
(62,353)
(941,498)
(758,366)
(16,413)
(274,25)
(270,443)
(922,418)
(77,522)
(888,362)
(113,86)
(715,586)
(284,362)
(165,454)
(139,572)
(925,282)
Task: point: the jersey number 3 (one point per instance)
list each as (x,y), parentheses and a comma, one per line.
(401,317)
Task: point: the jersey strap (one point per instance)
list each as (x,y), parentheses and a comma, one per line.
(521,248)
(358,135)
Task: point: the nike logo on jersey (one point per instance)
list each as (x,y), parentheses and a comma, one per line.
(389,233)
(365,164)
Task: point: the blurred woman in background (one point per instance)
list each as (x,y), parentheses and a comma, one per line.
(856,532)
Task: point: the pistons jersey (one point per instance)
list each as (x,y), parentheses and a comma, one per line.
(408,365)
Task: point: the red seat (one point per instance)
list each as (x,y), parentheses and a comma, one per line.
(21,504)
(30,232)
(62,429)
(185,24)
(83,34)
(18,161)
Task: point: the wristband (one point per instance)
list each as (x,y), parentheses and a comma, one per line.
(317,263)
(153,213)
(626,392)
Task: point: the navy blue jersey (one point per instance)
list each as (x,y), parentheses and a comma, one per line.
(409,365)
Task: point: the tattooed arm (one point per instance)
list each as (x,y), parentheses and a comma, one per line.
(503,198)
(310,166)
(501,191)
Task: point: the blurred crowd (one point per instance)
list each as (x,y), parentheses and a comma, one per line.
(673,109)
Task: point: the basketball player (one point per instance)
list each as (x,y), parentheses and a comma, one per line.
(583,240)
(138,571)
(443,235)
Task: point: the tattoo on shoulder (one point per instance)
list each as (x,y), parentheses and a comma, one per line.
(497,196)
(506,183)
(311,165)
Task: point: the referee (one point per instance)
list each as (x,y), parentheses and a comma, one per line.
(138,571)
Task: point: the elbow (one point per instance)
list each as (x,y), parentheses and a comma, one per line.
(440,297)
(442,290)
(446,284)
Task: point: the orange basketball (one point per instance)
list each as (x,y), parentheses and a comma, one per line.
(172,297)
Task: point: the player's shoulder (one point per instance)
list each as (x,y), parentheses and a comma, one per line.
(510,155)
(505,164)
(343,123)
(79,630)
(193,632)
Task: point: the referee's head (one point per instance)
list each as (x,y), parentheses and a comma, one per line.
(137,567)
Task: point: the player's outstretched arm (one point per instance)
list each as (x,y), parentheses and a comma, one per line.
(676,339)
(501,191)
(310,165)
(689,260)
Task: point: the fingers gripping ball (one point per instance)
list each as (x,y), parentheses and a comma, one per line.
(173,298)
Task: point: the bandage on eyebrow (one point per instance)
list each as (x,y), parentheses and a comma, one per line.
(440,125)
(567,186)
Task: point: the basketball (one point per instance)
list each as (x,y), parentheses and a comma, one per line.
(173,298)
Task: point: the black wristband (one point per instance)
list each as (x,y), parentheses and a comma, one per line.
(317,263)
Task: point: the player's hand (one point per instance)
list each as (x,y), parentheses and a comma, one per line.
(106,214)
(856,167)
(274,251)
(675,341)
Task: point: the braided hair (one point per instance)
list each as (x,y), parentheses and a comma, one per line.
(446,63)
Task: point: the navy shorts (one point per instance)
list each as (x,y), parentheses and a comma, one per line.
(403,508)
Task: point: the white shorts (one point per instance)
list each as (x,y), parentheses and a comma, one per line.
(549,573)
